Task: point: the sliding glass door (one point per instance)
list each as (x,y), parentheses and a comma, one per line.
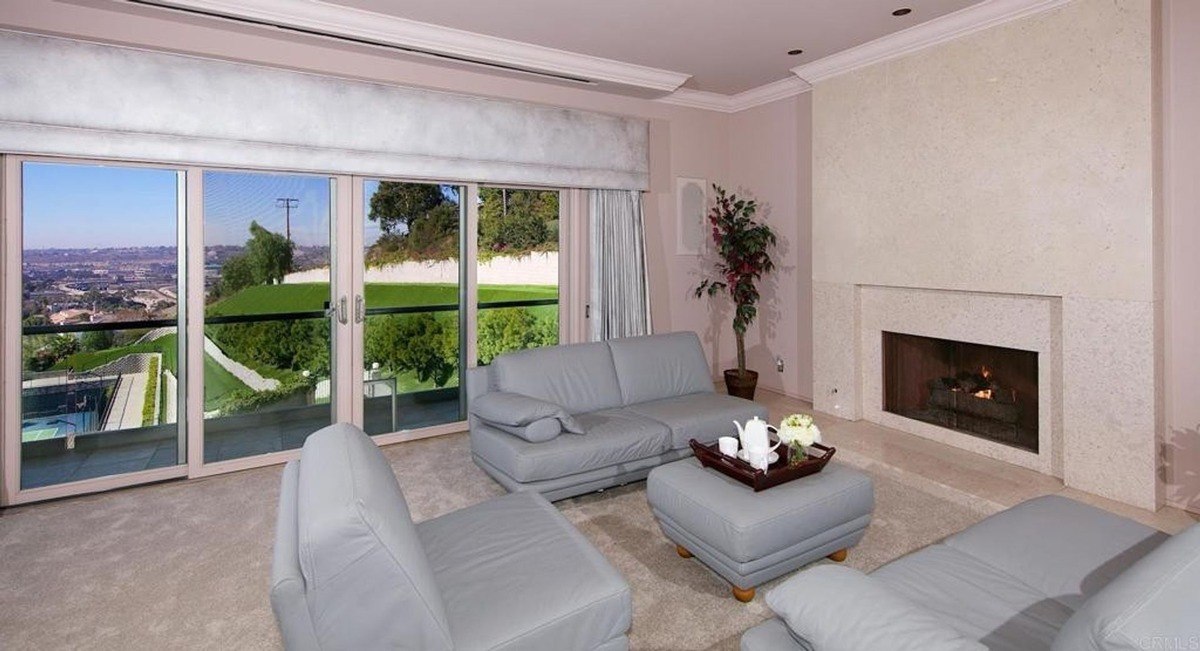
(100,345)
(411,304)
(136,357)
(268,346)
(517,270)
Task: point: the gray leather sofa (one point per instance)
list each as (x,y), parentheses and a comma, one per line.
(595,415)
(352,571)
(1050,573)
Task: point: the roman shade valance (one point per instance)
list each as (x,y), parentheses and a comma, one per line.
(67,97)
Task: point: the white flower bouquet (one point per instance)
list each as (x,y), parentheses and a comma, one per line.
(798,431)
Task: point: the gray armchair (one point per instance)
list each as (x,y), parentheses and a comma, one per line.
(352,571)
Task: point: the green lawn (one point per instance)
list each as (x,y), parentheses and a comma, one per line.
(89,360)
(309,297)
(217,381)
(407,382)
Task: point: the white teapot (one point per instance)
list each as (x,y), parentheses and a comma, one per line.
(754,435)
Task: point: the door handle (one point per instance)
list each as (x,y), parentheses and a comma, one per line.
(343,316)
(360,308)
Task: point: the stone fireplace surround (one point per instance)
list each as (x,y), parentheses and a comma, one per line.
(1012,321)
(1097,378)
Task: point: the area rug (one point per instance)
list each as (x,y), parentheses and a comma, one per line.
(186,565)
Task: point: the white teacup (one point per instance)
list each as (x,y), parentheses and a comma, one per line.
(728,445)
(759,458)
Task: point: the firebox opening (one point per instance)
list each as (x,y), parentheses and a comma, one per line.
(985,391)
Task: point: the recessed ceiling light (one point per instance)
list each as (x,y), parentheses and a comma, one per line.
(795,52)
(903,11)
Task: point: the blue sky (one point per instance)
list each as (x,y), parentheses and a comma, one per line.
(233,199)
(93,206)
(85,206)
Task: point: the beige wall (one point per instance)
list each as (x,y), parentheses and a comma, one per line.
(1019,160)
(683,141)
(769,160)
(1181,58)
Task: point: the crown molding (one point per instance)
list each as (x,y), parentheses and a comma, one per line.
(338,20)
(764,94)
(771,92)
(939,30)
(699,99)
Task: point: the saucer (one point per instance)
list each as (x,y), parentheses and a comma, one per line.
(745,457)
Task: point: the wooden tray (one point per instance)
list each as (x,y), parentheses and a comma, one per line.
(777,473)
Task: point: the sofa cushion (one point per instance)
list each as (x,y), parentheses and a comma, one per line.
(660,366)
(518,410)
(368,581)
(1089,546)
(516,575)
(700,416)
(837,608)
(579,377)
(538,431)
(978,600)
(1151,605)
(611,437)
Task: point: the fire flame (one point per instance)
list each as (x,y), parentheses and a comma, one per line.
(985,373)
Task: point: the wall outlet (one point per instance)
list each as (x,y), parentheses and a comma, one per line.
(779,363)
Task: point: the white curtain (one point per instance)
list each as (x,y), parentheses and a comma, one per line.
(68,97)
(620,292)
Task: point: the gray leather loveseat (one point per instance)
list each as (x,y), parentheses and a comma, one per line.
(352,571)
(1050,573)
(568,420)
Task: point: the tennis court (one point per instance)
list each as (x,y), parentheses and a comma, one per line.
(56,426)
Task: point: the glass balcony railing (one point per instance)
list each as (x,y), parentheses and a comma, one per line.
(98,399)
(102,397)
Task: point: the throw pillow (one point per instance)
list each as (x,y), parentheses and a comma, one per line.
(538,431)
(518,410)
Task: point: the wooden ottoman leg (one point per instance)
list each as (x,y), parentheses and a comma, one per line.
(743,595)
(839,555)
(682,551)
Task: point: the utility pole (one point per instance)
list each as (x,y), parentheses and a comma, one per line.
(287,203)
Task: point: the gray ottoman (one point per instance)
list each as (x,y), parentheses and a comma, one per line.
(750,538)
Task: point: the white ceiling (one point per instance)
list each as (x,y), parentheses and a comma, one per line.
(728,46)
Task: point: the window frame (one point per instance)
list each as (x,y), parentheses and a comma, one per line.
(346,280)
(11,259)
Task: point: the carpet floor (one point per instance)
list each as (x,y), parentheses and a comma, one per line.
(186,564)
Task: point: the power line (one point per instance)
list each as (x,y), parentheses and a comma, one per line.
(287,203)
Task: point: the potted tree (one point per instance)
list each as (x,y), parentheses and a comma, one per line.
(743,248)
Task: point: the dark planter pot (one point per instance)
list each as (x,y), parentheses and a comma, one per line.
(741,386)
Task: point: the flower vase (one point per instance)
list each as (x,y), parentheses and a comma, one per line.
(796,455)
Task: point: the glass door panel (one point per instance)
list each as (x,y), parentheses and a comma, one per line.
(412,343)
(517,270)
(100,321)
(268,347)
